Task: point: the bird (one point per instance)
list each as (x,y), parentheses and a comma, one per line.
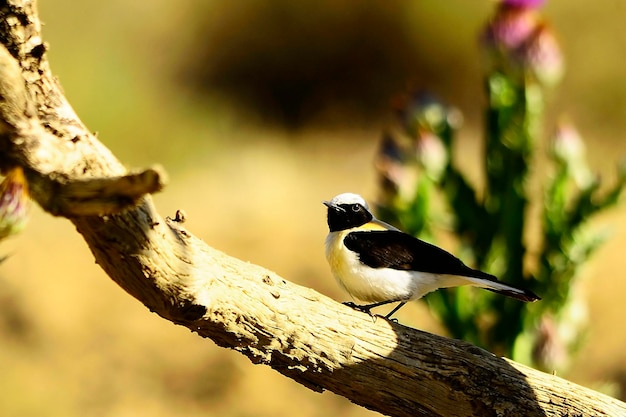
(379,264)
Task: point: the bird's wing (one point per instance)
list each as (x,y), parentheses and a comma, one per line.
(398,250)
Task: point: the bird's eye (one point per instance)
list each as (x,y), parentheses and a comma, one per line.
(356,208)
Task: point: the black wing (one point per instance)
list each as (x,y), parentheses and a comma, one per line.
(398,250)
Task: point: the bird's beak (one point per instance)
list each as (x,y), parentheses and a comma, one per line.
(332,206)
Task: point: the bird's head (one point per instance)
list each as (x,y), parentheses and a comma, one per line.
(346,211)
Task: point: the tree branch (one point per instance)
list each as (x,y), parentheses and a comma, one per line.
(298,332)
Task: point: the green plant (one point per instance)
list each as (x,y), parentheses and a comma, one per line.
(418,177)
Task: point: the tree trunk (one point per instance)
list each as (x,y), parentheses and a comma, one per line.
(302,334)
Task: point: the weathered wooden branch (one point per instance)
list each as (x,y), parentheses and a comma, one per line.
(298,332)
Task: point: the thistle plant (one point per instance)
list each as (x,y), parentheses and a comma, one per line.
(418,178)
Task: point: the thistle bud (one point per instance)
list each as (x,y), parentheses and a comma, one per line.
(549,350)
(567,146)
(431,154)
(389,164)
(558,337)
(422,111)
(568,149)
(518,42)
(541,56)
(14,203)
(526,4)
(509,29)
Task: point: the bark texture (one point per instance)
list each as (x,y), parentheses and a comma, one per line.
(300,333)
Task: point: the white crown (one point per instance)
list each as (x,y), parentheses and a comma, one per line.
(349,198)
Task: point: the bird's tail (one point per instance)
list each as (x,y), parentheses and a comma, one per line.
(490,283)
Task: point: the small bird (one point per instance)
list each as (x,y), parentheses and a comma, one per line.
(377,263)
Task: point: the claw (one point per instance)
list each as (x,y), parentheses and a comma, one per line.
(367,308)
(364,309)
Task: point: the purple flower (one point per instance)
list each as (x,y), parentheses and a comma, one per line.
(541,55)
(509,28)
(519,43)
(525,4)
(14,203)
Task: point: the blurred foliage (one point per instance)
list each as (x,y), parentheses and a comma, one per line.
(219,61)
(523,59)
(294,61)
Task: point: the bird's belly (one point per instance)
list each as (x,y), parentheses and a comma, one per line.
(375,284)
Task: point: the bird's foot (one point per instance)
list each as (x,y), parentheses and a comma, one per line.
(362,308)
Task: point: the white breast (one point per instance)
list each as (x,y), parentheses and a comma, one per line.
(382,284)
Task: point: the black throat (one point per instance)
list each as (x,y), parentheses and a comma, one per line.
(347,216)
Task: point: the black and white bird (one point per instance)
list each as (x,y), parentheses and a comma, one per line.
(379,264)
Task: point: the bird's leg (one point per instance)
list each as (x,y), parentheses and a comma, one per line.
(396,308)
(368,307)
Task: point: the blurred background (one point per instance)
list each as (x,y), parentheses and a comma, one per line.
(259,111)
